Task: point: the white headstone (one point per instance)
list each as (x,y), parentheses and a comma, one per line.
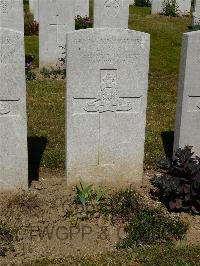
(31,5)
(184,6)
(188,105)
(107,80)
(36,9)
(156,6)
(196,14)
(13,122)
(111,13)
(56,19)
(82,8)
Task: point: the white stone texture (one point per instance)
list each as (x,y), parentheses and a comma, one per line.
(107,80)
(57,17)
(36,9)
(156,6)
(188,103)
(111,13)
(31,5)
(82,8)
(196,14)
(13,121)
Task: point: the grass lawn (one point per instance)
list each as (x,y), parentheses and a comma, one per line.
(46,98)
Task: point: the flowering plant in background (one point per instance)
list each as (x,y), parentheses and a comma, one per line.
(83,22)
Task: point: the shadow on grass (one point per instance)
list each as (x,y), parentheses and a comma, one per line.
(36,147)
(168,142)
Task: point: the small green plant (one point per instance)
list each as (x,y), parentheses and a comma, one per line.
(7,235)
(151,226)
(179,186)
(83,193)
(122,205)
(170,8)
(53,73)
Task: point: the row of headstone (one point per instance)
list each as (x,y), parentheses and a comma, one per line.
(184,6)
(58,19)
(13,121)
(106,99)
(81,8)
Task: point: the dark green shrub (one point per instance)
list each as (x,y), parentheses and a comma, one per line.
(31,27)
(179,186)
(151,226)
(83,23)
(142,3)
(170,8)
(53,73)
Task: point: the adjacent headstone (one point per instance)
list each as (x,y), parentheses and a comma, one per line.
(82,8)
(196,14)
(31,5)
(188,105)
(13,122)
(56,19)
(107,80)
(111,13)
(184,6)
(36,9)
(156,6)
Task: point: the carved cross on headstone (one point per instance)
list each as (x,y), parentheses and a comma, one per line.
(194,103)
(108,104)
(57,25)
(7,106)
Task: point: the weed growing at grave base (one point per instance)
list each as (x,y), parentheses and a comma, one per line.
(53,73)
(151,226)
(143,225)
(7,235)
(25,201)
(179,186)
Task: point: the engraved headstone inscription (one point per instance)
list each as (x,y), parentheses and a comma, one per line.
(107,79)
(13,122)
(55,22)
(111,13)
(188,103)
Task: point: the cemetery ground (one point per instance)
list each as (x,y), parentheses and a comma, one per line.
(44,226)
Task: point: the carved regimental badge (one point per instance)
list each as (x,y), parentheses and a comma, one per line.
(4,107)
(109,99)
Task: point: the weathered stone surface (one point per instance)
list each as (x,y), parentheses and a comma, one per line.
(188,104)
(31,5)
(156,6)
(13,128)
(82,8)
(196,14)
(111,13)
(11,15)
(107,79)
(56,19)
(36,10)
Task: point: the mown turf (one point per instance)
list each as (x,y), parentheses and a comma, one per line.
(46,98)
(154,256)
